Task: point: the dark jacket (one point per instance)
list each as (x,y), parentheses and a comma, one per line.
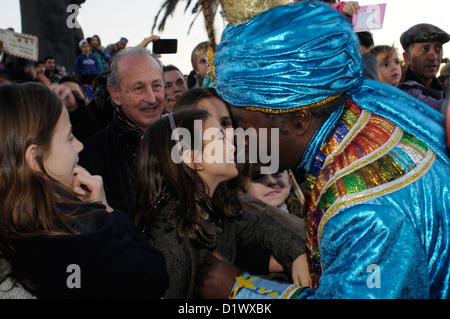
(433,96)
(183,257)
(84,123)
(370,66)
(112,153)
(252,257)
(101,104)
(113,256)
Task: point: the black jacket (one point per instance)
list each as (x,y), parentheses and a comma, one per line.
(84,124)
(113,256)
(183,256)
(434,95)
(252,257)
(112,153)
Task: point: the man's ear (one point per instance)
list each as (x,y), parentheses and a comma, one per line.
(189,157)
(406,58)
(114,94)
(302,121)
(30,158)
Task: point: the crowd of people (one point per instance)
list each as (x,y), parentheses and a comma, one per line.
(96,173)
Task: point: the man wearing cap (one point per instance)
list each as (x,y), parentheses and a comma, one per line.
(422,45)
(86,65)
(371,160)
(113,48)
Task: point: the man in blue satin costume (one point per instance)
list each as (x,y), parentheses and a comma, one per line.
(377,182)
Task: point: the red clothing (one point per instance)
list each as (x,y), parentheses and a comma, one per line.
(339,6)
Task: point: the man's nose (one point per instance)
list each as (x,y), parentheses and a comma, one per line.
(150,96)
(432,55)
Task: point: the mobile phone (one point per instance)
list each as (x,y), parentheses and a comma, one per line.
(162,46)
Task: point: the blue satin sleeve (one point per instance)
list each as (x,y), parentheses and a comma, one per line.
(372,251)
(393,246)
(368,251)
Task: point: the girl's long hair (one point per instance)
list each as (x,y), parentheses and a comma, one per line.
(162,180)
(29,113)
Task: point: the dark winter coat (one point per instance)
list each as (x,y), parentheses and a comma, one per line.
(109,258)
(183,256)
(111,153)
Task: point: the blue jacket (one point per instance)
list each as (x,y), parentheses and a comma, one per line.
(86,64)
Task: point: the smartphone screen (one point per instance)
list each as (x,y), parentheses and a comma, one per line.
(162,46)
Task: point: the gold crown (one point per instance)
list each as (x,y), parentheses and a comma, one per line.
(241,11)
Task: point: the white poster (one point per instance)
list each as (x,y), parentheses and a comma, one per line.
(19,44)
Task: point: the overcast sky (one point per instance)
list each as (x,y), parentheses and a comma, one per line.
(112,19)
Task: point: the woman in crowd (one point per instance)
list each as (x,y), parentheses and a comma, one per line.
(251,257)
(177,208)
(58,234)
(274,189)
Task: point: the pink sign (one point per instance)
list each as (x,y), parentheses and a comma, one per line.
(369,17)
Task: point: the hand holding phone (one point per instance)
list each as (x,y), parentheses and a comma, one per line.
(163,46)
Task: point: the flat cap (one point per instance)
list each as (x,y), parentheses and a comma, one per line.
(421,33)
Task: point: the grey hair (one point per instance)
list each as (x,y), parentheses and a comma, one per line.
(113,77)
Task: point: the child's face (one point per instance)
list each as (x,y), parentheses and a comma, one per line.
(389,68)
(202,63)
(85,48)
(217,162)
(272,189)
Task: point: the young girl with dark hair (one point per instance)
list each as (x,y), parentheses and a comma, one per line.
(180,211)
(251,258)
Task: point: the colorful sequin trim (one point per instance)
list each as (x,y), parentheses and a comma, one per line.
(293,292)
(294,109)
(378,191)
(365,156)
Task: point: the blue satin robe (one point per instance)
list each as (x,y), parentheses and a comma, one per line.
(394,245)
(390,241)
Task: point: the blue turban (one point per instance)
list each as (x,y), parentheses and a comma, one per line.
(302,55)
(290,56)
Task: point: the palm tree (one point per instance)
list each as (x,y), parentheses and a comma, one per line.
(169,6)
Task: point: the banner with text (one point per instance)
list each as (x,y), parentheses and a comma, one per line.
(19,44)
